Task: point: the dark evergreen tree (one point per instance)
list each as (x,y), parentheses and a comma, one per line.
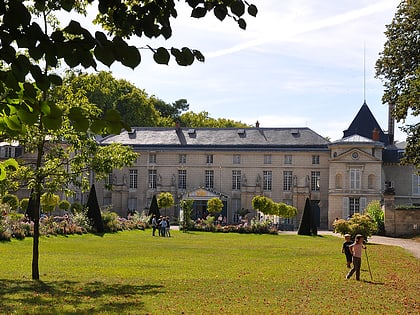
(307,223)
(94,213)
(154,208)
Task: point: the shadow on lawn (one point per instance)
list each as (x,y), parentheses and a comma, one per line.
(67,297)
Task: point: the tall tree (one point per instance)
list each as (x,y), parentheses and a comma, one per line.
(108,93)
(33,50)
(399,68)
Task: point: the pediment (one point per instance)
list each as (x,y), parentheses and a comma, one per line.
(202,193)
(354,155)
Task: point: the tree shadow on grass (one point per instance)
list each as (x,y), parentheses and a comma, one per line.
(68,297)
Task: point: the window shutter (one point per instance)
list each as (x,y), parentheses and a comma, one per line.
(362,204)
(346,211)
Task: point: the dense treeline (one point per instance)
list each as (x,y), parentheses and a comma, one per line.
(136,107)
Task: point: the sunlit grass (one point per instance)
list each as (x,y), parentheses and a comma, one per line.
(203,273)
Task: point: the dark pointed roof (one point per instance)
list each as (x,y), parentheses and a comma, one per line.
(363,125)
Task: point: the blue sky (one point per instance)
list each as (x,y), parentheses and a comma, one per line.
(300,63)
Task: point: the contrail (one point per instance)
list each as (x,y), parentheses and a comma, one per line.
(332,21)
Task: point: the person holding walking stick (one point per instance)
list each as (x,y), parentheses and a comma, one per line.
(356,250)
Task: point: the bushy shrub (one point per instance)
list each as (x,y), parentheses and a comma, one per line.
(375,211)
(81,220)
(110,221)
(76,207)
(11,200)
(357,224)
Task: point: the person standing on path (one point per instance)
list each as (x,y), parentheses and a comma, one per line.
(356,249)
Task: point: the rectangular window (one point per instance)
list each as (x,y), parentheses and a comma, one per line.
(315,180)
(8,152)
(209,178)
(182,159)
(152,158)
(267,180)
(182,179)
(152,179)
(267,159)
(287,180)
(288,159)
(354,206)
(132,204)
(209,158)
(108,181)
(315,159)
(355,178)
(133,179)
(236,159)
(236,180)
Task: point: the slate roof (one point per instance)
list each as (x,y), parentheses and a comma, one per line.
(363,125)
(196,138)
(358,139)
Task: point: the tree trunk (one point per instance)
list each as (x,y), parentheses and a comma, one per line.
(37,213)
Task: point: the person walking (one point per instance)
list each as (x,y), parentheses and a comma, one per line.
(356,249)
(346,250)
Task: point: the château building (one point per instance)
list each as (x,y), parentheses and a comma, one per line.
(236,164)
(285,164)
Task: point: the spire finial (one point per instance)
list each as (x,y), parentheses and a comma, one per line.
(364,72)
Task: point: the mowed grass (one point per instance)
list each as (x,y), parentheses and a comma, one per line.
(132,272)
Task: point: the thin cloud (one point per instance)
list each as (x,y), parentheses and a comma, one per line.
(317,25)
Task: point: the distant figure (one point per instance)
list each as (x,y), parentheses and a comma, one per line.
(163,225)
(356,249)
(154,224)
(346,250)
(168,228)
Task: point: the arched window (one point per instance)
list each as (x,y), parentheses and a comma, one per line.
(371,181)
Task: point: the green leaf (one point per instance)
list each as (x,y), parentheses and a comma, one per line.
(11,163)
(27,117)
(198,12)
(112,115)
(52,123)
(131,57)
(81,124)
(238,8)
(2,172)
(252,10)
(55,79)
(187,55)
(67,5)
(98,126)
(220,12)
(13,122)
(74,28)
(104,55)
(198,55)
(76,113)
(161,56)
(242,23)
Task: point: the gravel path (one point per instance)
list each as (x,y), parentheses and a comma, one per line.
(411,245)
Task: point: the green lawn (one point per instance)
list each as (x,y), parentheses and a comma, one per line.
(203,273)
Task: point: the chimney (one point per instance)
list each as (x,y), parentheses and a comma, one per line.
(375,134)
(257,124)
